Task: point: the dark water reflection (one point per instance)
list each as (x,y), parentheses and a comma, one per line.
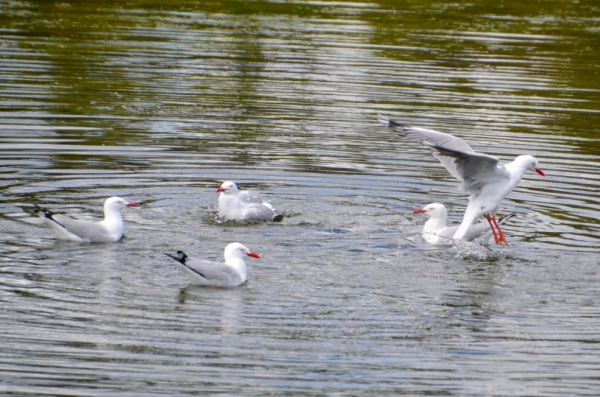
(160,102)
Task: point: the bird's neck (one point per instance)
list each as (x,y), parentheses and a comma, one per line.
(239,265)
(227,199)
(434,225)
(516,169)
(113,220)
(230,206)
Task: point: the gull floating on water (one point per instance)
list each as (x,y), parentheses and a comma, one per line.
(248,205)
(486,182)
(229,274)
(436,232)
(109,230)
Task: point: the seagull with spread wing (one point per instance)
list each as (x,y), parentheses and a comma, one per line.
(486,182)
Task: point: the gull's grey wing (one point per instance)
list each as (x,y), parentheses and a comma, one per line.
(454,153)
(250,196)
(447,232)
(213,272)
(84,229)
(428,137)
(473,169)
(474,232)
(259,212)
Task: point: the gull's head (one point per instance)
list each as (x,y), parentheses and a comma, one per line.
(531,164)
(116,203)
(227,187)
(434,210)
(237,250)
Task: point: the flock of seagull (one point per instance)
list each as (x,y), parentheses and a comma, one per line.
(480,176)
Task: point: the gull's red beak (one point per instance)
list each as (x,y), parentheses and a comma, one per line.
(254,255)
(539,171)
(220,189)
(132,205)
(419,211)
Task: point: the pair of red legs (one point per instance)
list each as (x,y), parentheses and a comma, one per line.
(496,231)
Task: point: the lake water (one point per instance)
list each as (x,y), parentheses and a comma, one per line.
(159,102)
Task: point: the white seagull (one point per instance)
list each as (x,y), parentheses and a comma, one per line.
(247,205)
(229,274)
(481,177)
(109,230)
(436,232)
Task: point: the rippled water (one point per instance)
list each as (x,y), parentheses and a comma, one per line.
(161,102)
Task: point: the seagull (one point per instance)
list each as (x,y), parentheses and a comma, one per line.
(436,232)
(109,230)
(486,182)
(247,205)
(229,274)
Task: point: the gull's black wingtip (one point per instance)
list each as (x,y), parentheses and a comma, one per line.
(181,259)
(507,217)
(383,120)
(389,122)
(47,213)
(181,256)
(278,218)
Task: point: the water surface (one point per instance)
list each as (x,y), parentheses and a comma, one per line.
(159,103)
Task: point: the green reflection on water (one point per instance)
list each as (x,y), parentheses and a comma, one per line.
(121,58)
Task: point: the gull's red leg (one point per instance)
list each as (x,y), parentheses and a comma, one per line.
(500,233)
(496,237)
